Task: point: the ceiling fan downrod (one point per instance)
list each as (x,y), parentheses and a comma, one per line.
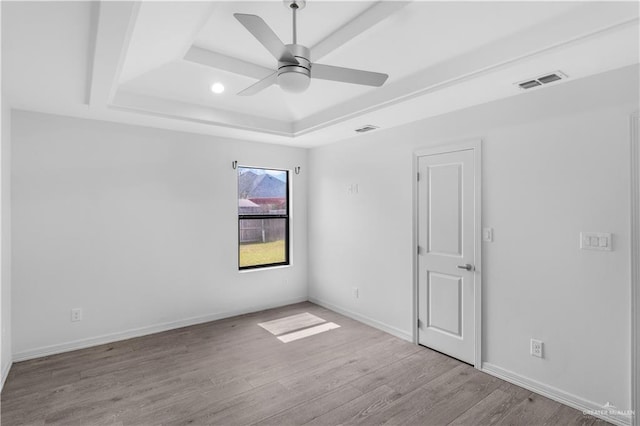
(295,5)
(294,8)
(295,77)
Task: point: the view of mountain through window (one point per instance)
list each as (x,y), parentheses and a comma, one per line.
(263,217)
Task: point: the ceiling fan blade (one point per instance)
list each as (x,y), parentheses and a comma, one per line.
(348,75)
(266,37)
(361,23)
(260,85)
(219,61)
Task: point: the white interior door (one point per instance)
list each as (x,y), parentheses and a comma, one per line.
(447,253)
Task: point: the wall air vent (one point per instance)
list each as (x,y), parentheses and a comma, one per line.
(543,79)
(367,128)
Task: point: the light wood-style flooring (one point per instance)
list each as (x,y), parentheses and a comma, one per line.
(233,372)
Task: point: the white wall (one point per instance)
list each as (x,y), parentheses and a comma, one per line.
(555,162)
(137,227)
(5,247)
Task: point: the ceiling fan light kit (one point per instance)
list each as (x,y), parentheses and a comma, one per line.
(295,78)
(295,70)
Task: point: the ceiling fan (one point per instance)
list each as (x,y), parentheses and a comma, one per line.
(294,66)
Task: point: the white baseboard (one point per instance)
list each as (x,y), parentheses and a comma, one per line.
(142,331)
(5,373)
(555,394)
(366,320)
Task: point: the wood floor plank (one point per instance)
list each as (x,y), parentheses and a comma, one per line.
(491,409)
(359,409)
(535,409)
(567,415)
(302,360)
(244,409)
(409,373)
(457,401)
(309,410)
(329,376)
(424,403)
(347,368)
(234,372)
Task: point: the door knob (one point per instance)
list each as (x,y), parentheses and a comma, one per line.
(467,266)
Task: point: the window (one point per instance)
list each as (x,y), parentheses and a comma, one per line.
(263,217)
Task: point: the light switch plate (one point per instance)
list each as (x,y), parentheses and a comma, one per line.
(487,234)
(596,241)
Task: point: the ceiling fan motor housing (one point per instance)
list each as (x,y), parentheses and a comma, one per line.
(295,77)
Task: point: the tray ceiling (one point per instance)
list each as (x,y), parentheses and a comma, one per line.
(153,63)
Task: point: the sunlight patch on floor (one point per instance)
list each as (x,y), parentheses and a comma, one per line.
(298,326)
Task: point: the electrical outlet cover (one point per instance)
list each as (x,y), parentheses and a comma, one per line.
(76,314)
(536,348)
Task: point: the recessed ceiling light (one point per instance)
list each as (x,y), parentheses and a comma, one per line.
(217,88)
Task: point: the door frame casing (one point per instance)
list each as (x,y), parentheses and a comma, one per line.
(444,148)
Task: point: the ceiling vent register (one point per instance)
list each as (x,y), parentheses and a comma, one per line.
(544,79)
(367,128)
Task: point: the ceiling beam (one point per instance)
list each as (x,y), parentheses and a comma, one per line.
(365,20)
(114,27)
(226,63)
(164,32)
(159,107)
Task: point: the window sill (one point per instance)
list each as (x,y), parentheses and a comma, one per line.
(266,268)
